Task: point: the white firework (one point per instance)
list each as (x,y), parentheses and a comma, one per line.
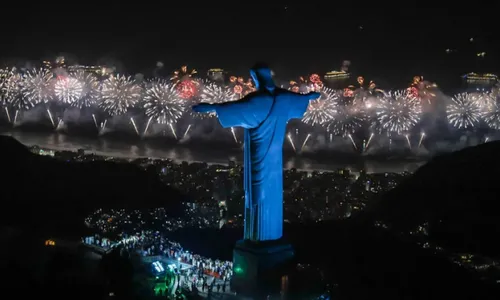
(463,112)
(162,103)
(483,100)
(346,119)
(37,86)
(90,89)
(12,93)
(119,93)
(9,85)
(68,90)
(213,93)
(398,112)
(322,110)
(491,115)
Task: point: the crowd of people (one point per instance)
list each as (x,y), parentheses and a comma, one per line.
(203,274)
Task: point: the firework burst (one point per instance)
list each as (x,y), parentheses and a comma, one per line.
(119,93)
(398,112)
(37,86)
(346,119)
(463,112)
(322,110)
(349,91)
(9,85)
(300,86)
(240,87)
(491,116)
(213,93)
(182,74)
(484,101)
(13,96)
(293,86)
(315,84)
(187,88)
(68,90)
(423,90)
(162,103)
(90,90)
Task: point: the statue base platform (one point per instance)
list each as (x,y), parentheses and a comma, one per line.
(260,268)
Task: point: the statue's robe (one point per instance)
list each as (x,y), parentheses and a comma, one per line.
(264,115)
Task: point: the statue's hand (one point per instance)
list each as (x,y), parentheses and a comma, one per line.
(203,108)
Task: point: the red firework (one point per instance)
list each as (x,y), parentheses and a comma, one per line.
(413,91)
(315,78)
(182,74)
(348,92)
(238,89)
(294,86)
(240,86)
(187,88)
(423,90)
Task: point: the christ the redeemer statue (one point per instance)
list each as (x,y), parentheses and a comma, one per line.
(264,115)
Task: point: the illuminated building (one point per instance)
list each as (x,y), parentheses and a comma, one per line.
(59,62)
(68,244)
(46,152)
(336,79)
(475,80)
(98,70)
(336,75)
(216,74)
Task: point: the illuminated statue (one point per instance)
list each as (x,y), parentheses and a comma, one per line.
(264,115)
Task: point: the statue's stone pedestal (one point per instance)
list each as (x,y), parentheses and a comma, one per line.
(260,268)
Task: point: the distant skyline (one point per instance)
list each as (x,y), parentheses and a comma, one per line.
(382,42)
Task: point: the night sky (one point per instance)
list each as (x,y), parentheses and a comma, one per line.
(386,43)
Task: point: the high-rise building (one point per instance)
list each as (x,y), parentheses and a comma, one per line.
(97,70)
(480,81)
(59,62)
(216,74)
(336,79)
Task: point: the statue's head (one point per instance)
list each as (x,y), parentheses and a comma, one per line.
(262,76)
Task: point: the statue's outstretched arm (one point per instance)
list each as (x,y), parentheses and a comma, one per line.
(311,96)
(300,102)
(241,113)
(212,107)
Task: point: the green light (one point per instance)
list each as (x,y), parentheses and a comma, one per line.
(238,270)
